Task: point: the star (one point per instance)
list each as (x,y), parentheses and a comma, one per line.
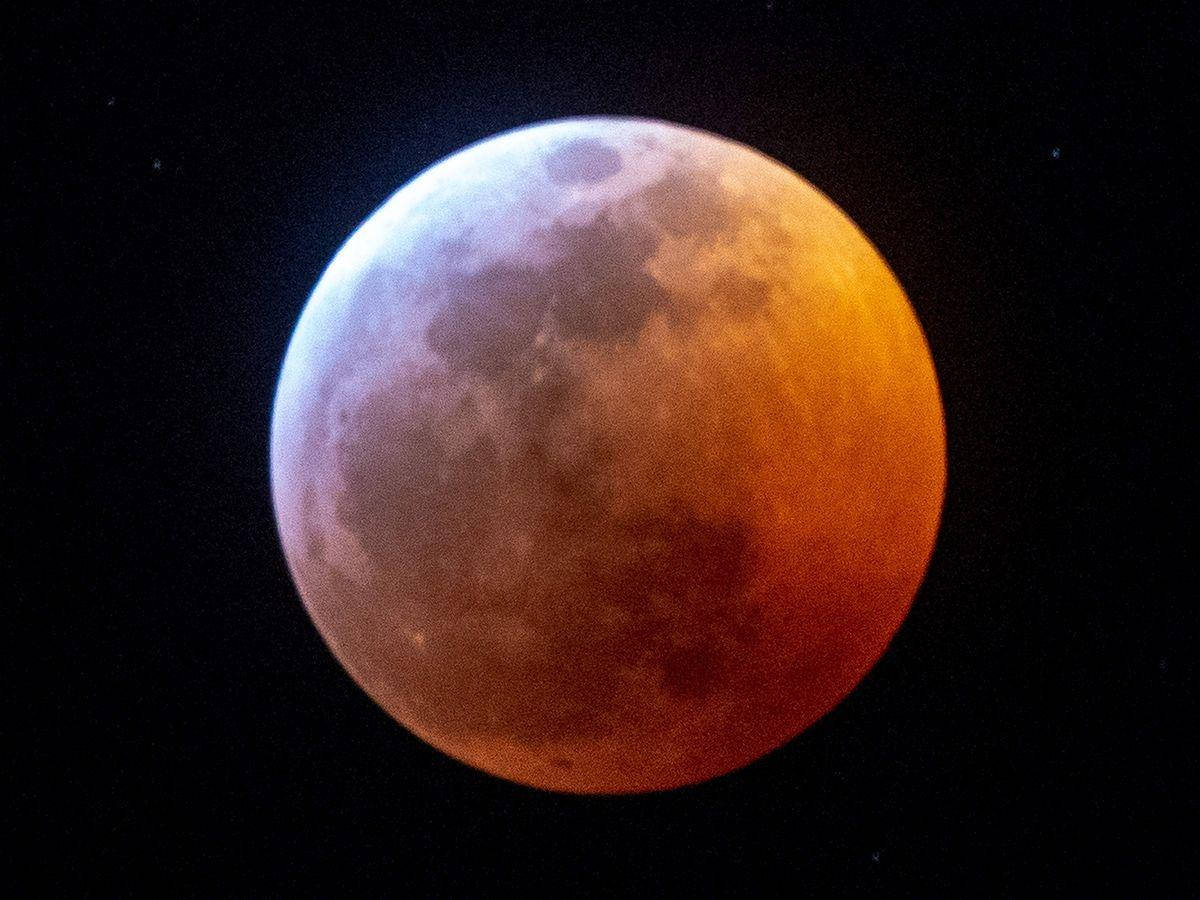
(157,165)
(1055,152)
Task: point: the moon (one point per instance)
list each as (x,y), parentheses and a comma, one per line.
(607,455)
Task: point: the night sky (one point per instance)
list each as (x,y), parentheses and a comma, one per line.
(183,172)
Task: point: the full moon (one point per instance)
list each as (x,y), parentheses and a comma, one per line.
(607,455)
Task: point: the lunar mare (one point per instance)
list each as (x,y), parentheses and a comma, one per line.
(607,455)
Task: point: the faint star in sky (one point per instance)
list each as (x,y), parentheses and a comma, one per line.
(157,165)
(1055,152)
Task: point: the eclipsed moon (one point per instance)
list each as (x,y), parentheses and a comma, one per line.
(607,455)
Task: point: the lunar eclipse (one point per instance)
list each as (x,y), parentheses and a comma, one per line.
(607,455)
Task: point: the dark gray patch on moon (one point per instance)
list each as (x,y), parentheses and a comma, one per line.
(542,397)
(596,289)
(690,203)
(488,318)
(583,161)
(602,289)
(688,671)
(740,296)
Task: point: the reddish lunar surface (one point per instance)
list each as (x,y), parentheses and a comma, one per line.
(607,455)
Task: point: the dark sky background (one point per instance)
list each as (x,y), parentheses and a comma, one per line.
(184,171)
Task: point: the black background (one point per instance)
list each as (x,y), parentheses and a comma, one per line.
(184,171)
